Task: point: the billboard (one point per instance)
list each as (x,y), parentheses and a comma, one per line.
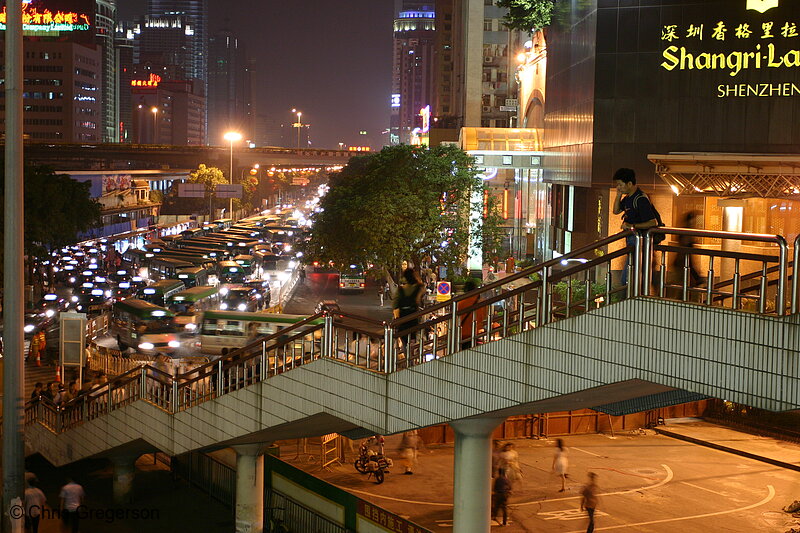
(54,18)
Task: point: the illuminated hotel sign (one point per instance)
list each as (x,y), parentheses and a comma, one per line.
(734,48)
(35,19)
(154,80)
(419,136)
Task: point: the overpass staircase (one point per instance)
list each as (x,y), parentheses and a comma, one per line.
(559,335)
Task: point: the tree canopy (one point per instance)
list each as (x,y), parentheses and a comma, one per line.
(402,203)
(57,209)
(527,15)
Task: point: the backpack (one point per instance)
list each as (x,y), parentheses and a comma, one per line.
(658,238)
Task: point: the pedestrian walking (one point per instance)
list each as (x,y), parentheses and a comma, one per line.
(509,462)
(409,448)
(637,211)
(407,302)
(496,449)
(71,497)
(501,490)
(381,290)
(38,390)
(560,463)
(589,500)
(34,503)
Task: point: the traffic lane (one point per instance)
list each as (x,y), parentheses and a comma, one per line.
(647,483)
(319,286)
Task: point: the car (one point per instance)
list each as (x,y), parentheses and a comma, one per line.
(263,291)
(240,298)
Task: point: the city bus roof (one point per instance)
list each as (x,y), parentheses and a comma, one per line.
(194,294)
(142,309)
(278,318)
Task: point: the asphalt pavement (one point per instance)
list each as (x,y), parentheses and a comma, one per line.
(648,483)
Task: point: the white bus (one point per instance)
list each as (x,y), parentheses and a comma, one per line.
(229,330)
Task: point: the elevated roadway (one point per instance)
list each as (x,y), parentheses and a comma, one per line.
(145,156)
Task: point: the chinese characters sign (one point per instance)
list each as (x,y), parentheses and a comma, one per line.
(35,19)
(735,48)
(388,521)
(154,80)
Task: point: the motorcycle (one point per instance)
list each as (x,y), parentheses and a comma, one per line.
(371,462)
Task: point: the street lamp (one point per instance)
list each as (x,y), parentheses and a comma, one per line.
(232,137)
(298,125)
(154,110)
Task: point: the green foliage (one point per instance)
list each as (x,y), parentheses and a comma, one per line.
(208,176)
(400,203)
(578,290)
(57,208)
(527,15)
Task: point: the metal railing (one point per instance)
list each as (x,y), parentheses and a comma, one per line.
(576,283)
(281,509)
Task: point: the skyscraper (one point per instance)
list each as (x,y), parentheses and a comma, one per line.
(413,67)
(230,78)
(194,14)
(105,27)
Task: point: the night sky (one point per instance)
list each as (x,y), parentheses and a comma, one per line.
(330,59)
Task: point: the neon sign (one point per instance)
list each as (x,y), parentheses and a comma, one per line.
(44,20)
(419,135)
(154,80)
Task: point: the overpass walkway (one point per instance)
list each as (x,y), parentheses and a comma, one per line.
(552,337)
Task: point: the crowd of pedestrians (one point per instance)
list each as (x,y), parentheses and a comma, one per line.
(507,476)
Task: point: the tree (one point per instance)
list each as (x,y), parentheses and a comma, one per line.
(527,15)
(210,177)
(57,209)
(402,203)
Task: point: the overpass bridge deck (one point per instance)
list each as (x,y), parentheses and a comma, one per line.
(545,339)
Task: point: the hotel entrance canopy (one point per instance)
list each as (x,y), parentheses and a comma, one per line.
(730,175)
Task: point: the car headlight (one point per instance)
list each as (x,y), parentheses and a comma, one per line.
(74,299)
(223,306)
(283,276)
(223,291)
(29,328)
(241,307)
(146,346)
(174,344)
(49,313)
(72,280)
(258,296)
(191,326)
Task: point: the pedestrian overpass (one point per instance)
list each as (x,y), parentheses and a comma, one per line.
(553,337)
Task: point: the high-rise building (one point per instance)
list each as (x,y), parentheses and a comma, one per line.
(194,14)
(105,29)
(412,68)
(64,71)
(230,88)
(475,65)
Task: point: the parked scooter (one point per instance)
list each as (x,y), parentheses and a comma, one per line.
(371,462)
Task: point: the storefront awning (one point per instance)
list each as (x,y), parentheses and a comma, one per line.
(730,175)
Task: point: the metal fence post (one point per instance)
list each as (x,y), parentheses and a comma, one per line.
(780,305)
(637,267)
(543,311)
(219,378)
(388,347)
(262,369)
(174,395)
(646,256)
(452,338)
(143,384)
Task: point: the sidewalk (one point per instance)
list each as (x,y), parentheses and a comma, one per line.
(766,449)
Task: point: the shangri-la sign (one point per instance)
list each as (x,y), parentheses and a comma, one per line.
(44,20)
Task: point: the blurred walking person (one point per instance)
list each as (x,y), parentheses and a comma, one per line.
(589,500)
(71,496)
(509,462)
(407,302)
(34,504)
(501,490)
(409,448)
(560,463)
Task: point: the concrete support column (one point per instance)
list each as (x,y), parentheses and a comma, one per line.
(124,472)
(473,474)
(249,488)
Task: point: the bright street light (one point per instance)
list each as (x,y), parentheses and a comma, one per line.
(232,137)
(298,125)
(154,110)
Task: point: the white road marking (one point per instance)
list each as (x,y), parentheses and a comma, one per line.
(664,481)
(584,451)
(703,488)
(661,483)
(769,497)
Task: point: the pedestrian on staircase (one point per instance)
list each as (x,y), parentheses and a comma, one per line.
(37,391)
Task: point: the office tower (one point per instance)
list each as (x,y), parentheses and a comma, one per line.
(230,88)
(412,68)
(105,26)
(194,14)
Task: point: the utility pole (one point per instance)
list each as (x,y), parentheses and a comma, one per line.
(13,264)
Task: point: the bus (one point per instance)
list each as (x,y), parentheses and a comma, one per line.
(141,325)
(193,277)
(246,262)
(352,279)
(230,272)
(161,267)
(230,330)
(190,303)
(160,291)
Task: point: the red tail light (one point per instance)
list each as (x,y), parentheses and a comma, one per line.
(360,284)
(341,285)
